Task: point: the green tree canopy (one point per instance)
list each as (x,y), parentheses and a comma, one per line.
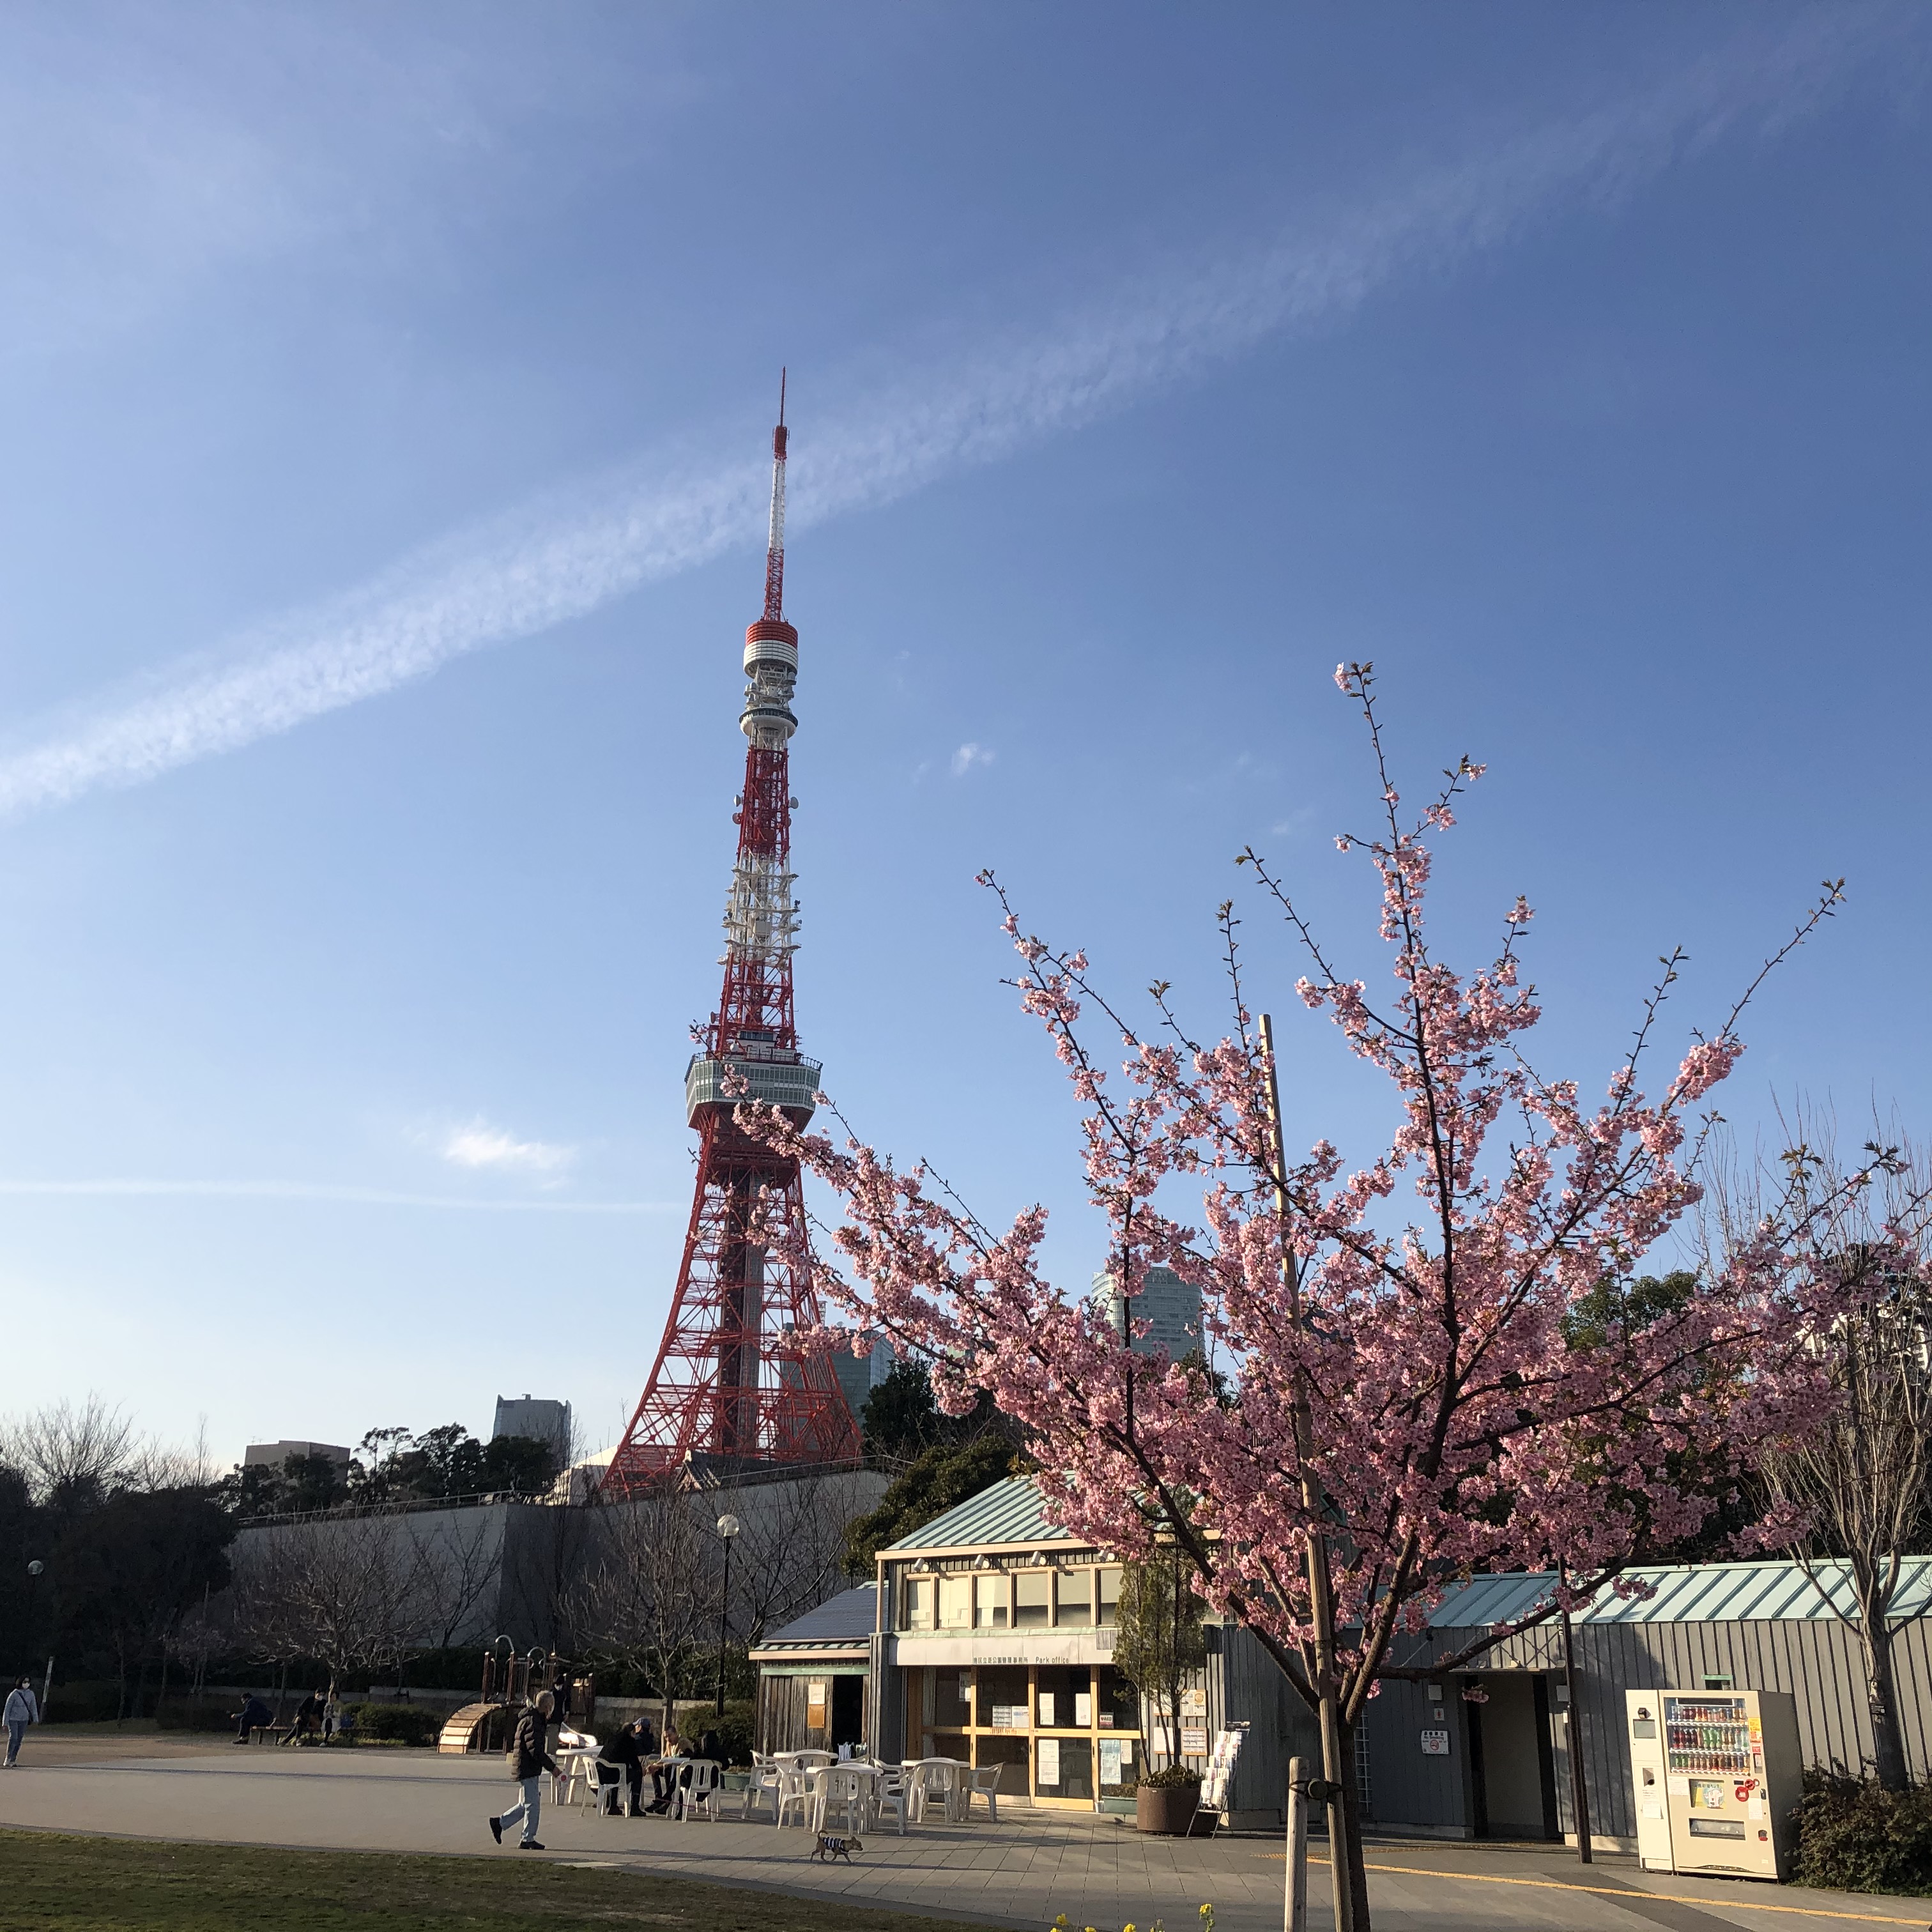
(938,1478)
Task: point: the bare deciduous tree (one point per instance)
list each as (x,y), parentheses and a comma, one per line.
(71,1456)
(1856,1487)
(650,1591)
(458,1563)
(790,1553)
(348,1593)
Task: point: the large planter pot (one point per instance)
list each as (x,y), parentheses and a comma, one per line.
(1168,1808)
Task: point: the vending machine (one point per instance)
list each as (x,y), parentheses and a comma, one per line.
(1718,1774)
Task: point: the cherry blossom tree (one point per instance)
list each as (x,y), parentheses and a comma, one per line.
(1405,1396)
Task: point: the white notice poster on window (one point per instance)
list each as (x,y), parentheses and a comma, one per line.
(1110,1761)
(1049,1761)
(1046,1714)
(1083,1711)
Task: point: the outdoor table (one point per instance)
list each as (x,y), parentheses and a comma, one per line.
(573,1761)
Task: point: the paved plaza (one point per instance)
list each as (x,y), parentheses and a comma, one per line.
(1020,1872)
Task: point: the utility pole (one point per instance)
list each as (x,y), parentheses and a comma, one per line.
(1320,1596)
(1579,1786)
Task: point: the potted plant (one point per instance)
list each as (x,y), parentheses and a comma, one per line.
(1158,1644)
(1168,1800)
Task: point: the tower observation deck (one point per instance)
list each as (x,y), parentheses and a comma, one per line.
(733,1385)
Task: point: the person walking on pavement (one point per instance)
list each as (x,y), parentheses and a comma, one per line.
(529,1758)
(22,1709)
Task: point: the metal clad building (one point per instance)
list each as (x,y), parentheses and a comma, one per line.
(1742,1626)
(990,1605)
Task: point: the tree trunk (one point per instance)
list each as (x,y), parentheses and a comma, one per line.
(1882,1703)
(1345,1836)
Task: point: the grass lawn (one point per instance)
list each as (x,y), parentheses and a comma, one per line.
(104,1885)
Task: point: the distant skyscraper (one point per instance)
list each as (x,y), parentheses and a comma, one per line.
(536,1417)
(859,1376)
(1168,1307)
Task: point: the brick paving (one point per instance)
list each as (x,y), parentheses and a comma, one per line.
(1020,1872)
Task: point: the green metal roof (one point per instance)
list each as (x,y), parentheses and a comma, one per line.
(1701,1593)
(1009,1512)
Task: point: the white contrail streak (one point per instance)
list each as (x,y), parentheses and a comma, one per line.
(521,575)
(321,1191)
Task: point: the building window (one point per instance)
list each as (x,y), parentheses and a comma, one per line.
(1033,1607)
(991,1608)
(1073,1598)
(955,1602)
(919,1599)
(1718,1683)
(1364,1790)
(953,1699)
(1110,1597)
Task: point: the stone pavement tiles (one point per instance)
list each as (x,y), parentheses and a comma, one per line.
(1030,1866)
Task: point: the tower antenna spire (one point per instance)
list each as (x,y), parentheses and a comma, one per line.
(774,543)
(734,1384)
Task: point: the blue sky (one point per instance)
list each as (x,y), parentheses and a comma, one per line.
(384,393)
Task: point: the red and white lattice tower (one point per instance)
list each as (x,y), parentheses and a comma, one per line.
(732,1385)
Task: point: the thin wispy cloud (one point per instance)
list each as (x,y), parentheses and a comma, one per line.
(319,1191)
(967,756)
(1170,321)
(479,1145)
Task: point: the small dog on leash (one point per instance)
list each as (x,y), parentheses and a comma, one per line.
(830,1847)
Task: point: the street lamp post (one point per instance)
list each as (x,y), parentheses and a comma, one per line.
(35,1570)
(728,1527)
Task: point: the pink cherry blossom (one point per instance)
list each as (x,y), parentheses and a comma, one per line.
(1416,1370)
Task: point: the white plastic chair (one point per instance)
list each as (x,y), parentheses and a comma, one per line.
(842,1789)
(701,1793)
(934,1777)
(889,1799)
(793,1795)
(765,1781)
(984,1779)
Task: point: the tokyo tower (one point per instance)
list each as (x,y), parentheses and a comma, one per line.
(732,1386)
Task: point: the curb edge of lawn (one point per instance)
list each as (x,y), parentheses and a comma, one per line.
(556,1861)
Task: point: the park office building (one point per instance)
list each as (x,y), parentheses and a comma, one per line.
(994,1643)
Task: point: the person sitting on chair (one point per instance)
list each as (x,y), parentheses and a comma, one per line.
(625,1752)
(667,1775)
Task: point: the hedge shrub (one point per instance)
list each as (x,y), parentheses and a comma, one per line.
(396,1723)
(1855,1836)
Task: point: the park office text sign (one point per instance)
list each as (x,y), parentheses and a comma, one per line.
(998,1647)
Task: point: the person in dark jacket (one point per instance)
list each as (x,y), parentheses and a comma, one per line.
(626,1753)
(308,1718)
(529,1758)
(252,1715)
(708,1746)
